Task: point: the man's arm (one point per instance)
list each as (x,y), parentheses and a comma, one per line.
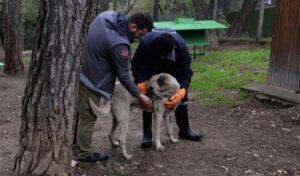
(183,63)
(120,57)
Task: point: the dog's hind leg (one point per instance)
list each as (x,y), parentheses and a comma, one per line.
(124,127)
(158,118)
(169,128)
(111,135)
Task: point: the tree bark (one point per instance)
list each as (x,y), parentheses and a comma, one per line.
(155,10)
(215,10)
(213,39)
(12,36)
(201,9)
(224,6)
(49,103)
(240,23)
(260,20)
(202,13)
(1,24)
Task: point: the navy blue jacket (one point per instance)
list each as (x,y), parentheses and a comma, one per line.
(146,61)
(107,55)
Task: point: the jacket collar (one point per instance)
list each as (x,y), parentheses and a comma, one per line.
(119,23)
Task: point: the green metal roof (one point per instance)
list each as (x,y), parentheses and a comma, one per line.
(189,24)
(1,65)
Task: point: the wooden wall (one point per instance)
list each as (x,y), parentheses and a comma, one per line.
(284,68)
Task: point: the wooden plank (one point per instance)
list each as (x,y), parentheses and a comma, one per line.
(297,53)
(285,29)
(288,73)
(275,44)
(274,92)
(293,79)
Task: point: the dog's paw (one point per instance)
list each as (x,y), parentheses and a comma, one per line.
(174,140)
(160,148)
(115,144)
(128,157)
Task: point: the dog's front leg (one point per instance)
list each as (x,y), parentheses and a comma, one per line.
(158,118)
(169,128)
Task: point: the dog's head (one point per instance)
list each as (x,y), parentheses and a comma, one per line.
(162,83)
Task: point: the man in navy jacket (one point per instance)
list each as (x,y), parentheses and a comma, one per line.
(163,50)
(107,56)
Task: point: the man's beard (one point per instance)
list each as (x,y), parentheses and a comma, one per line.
(132,39)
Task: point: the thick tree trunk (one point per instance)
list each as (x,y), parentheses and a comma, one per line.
(12,36)
(213,34)
(215,10)
(260,20)
(202,13)
(155,10)
(240,23)
(224,6)
(50,99)
(2,52)
(1,24)
(201,9)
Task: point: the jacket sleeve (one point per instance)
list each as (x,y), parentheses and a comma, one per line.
(139,67)
(120,55)
(183,60)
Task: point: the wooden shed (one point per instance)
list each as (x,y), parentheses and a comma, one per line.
(284,66)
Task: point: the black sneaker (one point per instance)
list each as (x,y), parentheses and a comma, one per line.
(94,157)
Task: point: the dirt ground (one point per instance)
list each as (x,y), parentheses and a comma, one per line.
(250,138)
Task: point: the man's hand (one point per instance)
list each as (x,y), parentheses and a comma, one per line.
(175,99)
(142,87)
(146,103)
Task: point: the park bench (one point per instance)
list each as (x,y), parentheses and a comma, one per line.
(192,31)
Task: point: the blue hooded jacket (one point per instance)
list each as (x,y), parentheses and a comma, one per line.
(99,70)
(147,62)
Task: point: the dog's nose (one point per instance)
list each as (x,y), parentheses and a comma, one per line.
(161,80)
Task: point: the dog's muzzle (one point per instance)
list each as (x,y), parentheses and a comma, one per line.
(161,80)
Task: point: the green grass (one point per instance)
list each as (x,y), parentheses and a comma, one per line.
(219,75)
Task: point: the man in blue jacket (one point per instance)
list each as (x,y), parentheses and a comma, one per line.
(163,50)
(107,56)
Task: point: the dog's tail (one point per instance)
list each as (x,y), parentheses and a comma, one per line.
(102,109)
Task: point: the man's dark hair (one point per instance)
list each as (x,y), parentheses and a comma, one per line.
(165,44)
(142,20)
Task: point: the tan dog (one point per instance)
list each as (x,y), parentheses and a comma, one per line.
(161,87)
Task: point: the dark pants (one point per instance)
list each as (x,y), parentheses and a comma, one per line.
(86,123)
